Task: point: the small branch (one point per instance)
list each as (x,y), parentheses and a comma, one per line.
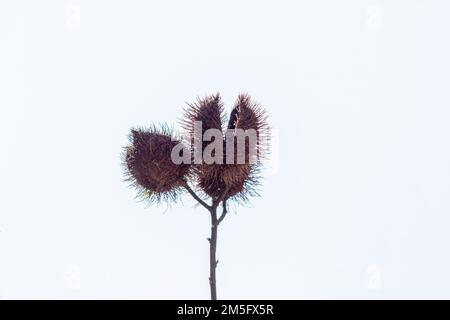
(196,197)
(224,212)
(221,198)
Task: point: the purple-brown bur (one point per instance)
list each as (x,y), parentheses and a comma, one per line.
(149,166)
(239,179)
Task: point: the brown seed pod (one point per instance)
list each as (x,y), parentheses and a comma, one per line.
(149,167)
(243,179)
(208,112)
(251,115)
(240,180)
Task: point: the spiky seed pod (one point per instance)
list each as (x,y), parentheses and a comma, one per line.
(239,179)
(209,112)
(149,167)
(242,179)
(251,115)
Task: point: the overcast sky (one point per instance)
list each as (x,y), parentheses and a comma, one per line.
(356,201)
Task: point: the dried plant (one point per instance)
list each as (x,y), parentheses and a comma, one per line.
(149,166)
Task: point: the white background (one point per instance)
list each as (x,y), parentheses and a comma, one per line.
(358,90)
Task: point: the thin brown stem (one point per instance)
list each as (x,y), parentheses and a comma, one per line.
(196,197)
(224,212)
(213,247)
(212,254)
(213,239)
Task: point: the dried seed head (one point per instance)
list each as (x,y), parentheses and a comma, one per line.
(240,188)
(243,179)
(240,179)
(251,115)
(208,112)
(149,167)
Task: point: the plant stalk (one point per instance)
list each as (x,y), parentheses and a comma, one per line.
(212,254)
